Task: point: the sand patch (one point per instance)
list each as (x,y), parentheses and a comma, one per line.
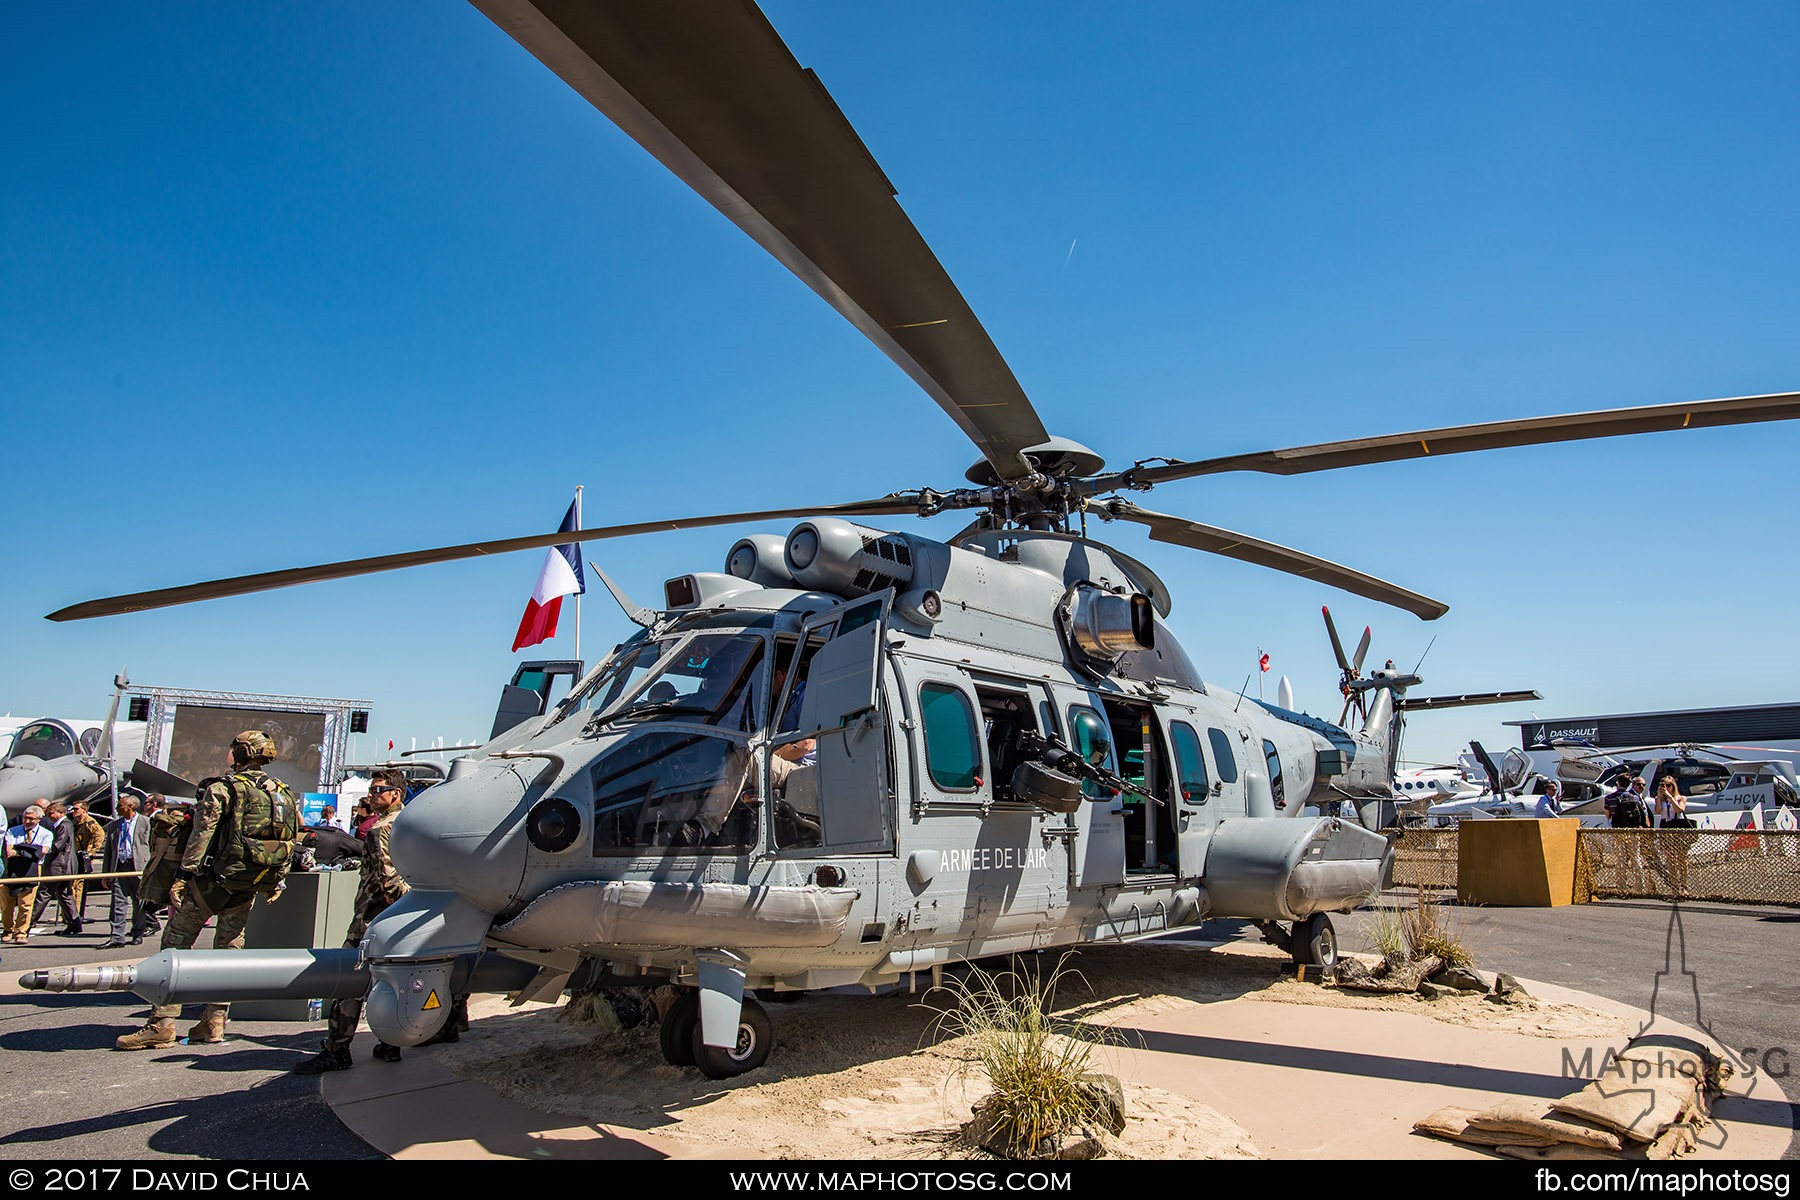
(867,1077)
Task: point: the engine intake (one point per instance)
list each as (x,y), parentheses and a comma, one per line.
(832,555)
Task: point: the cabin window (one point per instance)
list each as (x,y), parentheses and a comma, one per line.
(1277,788)
(1093,741)
(1189,763)
(1005,715)
(1223,758)
(668,789)
(952,747)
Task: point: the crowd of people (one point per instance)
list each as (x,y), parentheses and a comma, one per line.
(176,868)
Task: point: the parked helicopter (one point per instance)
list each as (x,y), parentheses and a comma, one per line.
(855,754)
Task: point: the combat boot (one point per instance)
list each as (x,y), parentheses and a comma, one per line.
(328,1059)
(156,1034)
(211,1028)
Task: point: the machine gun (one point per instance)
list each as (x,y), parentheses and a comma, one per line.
(1050,768)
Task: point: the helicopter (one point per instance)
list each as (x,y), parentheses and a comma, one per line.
(855,754)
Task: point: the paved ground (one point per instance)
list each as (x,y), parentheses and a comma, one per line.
(73,1097)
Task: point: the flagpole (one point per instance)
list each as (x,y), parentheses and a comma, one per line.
(578,594)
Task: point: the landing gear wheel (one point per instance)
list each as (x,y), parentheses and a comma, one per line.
(1315,941)
(755,1038)
(678,1029)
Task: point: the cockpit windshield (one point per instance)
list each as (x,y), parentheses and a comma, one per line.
(710,678)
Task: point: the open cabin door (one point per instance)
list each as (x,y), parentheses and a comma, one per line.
(841,709)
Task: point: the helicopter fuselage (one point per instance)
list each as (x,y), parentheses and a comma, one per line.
(779,786)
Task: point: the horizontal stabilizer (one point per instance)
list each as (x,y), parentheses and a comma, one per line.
(1419,704)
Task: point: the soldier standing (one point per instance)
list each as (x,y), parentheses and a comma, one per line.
(90,845)
(242,843)
(378,887)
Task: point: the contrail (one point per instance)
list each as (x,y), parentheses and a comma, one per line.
(1071,253)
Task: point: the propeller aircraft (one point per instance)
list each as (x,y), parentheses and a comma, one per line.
(855,753)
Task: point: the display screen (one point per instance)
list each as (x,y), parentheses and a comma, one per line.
(200,742)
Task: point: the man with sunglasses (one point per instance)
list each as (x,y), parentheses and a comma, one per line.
(379,886)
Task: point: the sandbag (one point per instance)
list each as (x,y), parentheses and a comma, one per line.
(1452,1122)
(1519,1115)
(1639,1111)
(1562,1150)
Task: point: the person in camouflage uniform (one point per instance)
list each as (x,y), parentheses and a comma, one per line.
(90,846)
(379,886)
(197,897)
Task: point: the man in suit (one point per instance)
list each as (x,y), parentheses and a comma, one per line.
(123,853)
(60,861)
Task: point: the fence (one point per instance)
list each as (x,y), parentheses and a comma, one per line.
(1736,865)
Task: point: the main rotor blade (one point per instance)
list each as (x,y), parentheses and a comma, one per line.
(713,92)
(1362,648)
(1422,703)
(270,580)
(1179,531)
(1493,435)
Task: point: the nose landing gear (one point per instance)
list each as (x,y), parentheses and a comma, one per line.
(682,1045)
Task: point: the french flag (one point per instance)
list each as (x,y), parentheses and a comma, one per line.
(560,577)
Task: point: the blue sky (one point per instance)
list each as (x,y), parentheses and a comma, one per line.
(286,284)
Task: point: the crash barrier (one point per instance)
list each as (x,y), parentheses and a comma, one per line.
(1745,866)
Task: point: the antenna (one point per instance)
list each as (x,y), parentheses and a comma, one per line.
(1241,692)
(1428,646)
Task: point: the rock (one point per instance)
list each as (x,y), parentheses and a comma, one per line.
(1507,990)
(1463,979)
(1108,1096)
(1405,980)
(1075,1144)
(1437,991)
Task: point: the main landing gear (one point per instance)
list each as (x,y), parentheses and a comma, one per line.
(1311,942)
(681,1045)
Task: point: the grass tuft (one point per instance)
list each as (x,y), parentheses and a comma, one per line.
(1033,1063)
(1429,930)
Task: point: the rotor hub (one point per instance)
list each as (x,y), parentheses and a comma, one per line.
(1058,458)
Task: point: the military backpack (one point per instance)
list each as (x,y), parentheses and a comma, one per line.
(253,847)
(169,831)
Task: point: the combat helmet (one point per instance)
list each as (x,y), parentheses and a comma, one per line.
(254,745)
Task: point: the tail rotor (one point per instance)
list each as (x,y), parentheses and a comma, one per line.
(1351,683)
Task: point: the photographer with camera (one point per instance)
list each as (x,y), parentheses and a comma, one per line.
(27,845)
